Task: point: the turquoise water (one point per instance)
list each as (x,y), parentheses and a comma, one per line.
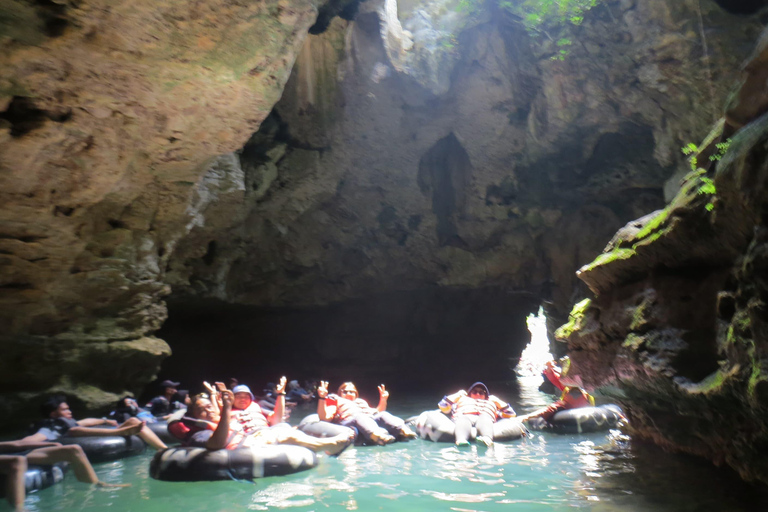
(600,472)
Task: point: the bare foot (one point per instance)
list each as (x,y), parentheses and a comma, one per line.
(339,444)
(130,430)
(382,439)
(407,434)
(106,485)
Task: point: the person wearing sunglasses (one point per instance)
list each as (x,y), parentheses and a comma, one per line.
(477,408)
(347,408)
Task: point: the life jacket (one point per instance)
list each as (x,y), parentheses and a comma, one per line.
(237,436)
(252,418)
(185,428)
(493,407)
(582,399)
(554,377)
(348,409)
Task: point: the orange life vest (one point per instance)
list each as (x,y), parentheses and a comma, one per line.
(468,405)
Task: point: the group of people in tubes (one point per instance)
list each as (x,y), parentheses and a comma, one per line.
(230,419)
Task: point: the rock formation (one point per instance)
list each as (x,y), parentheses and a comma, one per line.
(512,173)
(111,114)
(144,152)
(677,330)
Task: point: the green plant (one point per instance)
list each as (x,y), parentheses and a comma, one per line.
(690,149)
(538,13)
(707,184)
(722,147)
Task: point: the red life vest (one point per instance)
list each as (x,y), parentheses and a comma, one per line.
(574,397)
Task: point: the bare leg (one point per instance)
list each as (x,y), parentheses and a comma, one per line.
(14,467)
(73,454)
(369,429)
(484,426)
(331,445)
(151,438)
(463,430)
(77,459)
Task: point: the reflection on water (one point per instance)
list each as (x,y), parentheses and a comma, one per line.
(600,472)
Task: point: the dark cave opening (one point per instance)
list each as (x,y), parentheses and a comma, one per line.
(444,170)
(434,339)
(745,7)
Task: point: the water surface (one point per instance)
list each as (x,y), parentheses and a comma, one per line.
(600,472)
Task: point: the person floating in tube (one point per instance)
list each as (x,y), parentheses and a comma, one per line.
(572,397)
(240,423)
(58,422)
(477,408)
(348,409)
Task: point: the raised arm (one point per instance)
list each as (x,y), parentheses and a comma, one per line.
(325,412)
(221,435)
(383,398)
(279,410)
(215,394)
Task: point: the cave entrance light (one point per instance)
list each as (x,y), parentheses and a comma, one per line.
(536,353)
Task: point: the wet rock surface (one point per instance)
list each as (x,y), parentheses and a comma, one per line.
(677,330)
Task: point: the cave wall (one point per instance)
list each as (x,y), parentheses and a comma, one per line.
(130,168)
(677,328)
(110,113)
(390,164)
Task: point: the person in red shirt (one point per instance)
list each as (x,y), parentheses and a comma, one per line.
(572,397)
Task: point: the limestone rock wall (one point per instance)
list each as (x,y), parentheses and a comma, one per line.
(110,114)
(130,168)
(370,177)
(677,330)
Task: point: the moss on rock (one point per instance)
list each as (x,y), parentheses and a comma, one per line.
(575,320)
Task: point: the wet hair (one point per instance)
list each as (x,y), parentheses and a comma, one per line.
(345,385)
(51,405)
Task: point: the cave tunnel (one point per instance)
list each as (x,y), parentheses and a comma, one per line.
(434,340)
